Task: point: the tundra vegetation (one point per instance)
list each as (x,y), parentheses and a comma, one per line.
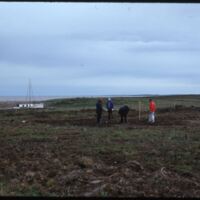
(60,151)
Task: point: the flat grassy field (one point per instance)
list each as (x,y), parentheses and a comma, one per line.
(61,151)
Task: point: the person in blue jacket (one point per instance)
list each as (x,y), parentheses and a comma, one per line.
(109,106)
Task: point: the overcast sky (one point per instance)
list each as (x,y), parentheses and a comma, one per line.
(99,48)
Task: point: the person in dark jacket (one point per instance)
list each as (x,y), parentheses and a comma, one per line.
(99,110)
(109,106)
(123,112)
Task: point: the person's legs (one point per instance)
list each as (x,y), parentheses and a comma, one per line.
(109,114)
(125,118)
(149,118)
(153,117)
(121,118)
(98,117)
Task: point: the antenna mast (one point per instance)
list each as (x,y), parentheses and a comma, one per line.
(29,92)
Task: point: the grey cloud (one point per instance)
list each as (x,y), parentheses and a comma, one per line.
(65,45)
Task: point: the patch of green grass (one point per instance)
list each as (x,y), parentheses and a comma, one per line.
(3,189)
(161,101)
(30,191)
(183,168)
(153,147)
(104,194)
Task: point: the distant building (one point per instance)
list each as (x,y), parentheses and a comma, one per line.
(30,105)
(29,97)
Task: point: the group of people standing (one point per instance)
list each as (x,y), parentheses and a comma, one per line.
(99,109)
(123,111)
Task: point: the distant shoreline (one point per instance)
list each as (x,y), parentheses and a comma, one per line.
(44,98)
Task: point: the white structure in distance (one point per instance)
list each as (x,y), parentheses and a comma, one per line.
(30,105)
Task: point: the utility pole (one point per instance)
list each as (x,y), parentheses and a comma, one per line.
(139,108)
(29,92)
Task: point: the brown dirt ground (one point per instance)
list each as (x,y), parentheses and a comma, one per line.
(57,166)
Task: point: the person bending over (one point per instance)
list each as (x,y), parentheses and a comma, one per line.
(123,112)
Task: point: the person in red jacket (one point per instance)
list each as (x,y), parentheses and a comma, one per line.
(152,110)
